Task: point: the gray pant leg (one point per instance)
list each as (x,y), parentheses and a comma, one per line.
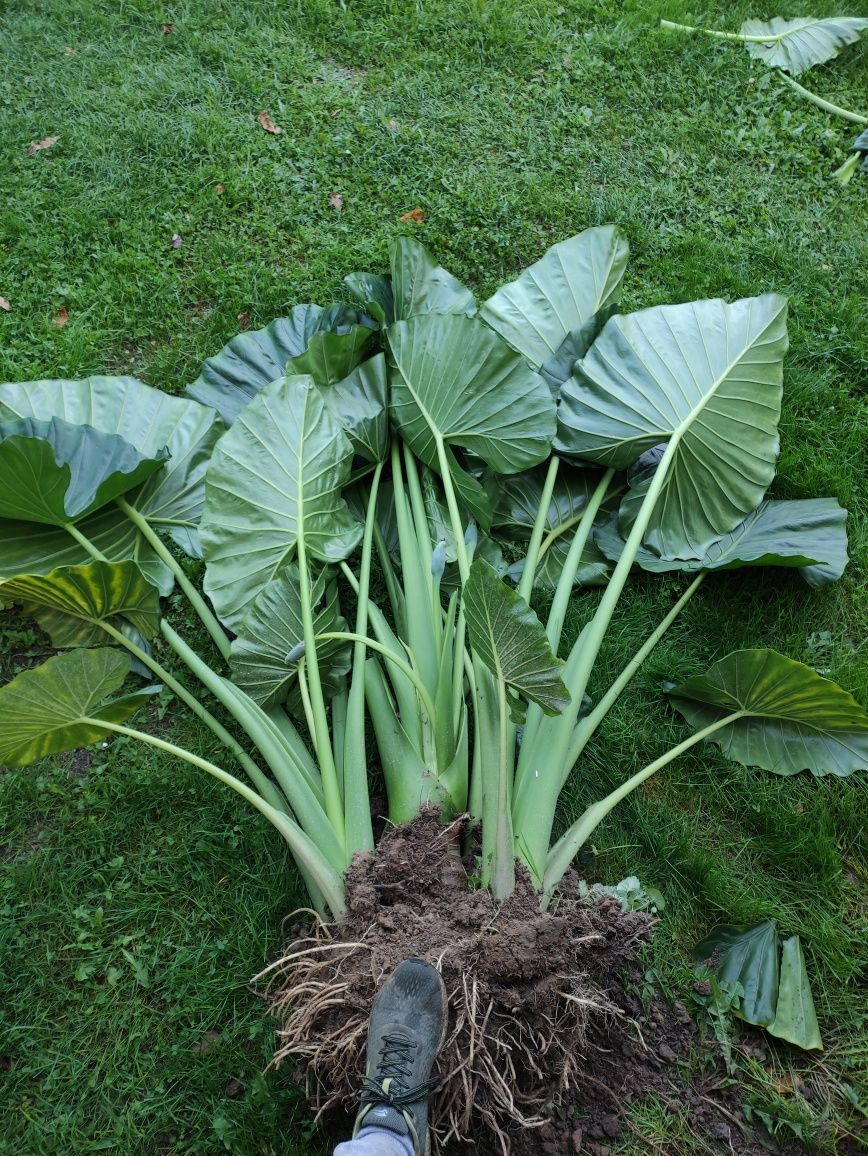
(376,1142)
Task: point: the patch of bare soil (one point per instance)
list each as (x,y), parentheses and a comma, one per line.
(547,1046)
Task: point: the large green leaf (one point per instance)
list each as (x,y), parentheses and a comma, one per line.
(456,380)
(511,641)
(795,1017)
(553,300)
(148,419)
(359,404)
(797,45)
(515,509)
(329,357)
(707,376)
(749,956)
(27,548)
(42,711)
(273,628)
(234,376)
(809,534)
(793,719)
(72,602)
(420,286)
(275,476)
(53,473)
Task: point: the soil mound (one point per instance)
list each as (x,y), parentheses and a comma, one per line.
(546,1046)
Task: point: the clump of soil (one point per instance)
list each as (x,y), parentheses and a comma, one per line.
(546,1044)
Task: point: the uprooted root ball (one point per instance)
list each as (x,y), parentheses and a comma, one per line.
(523,986)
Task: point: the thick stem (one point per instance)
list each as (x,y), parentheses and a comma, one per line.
(588,725)
(404,667)
(452,506)
(825,105)
(534,551)
(266,788)
(569,844)
(331,787)
(74,532)
(671,27)
(206,615)
(503,867)
(326,879)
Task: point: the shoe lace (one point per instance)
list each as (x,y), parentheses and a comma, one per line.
(395,1066)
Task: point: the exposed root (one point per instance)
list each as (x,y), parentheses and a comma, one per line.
(523,987)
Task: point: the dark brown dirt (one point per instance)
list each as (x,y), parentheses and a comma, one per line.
(547,1045)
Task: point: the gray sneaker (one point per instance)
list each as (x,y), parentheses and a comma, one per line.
(405,1032)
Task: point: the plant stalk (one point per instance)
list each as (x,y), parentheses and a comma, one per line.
(671,27)
(534,546)
(325,877)
(206,616)
(825,105)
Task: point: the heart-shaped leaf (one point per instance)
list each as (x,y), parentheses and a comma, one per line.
(72,602)
(749,956)
(511,641)
(275,477)
(58,706)
(55,473)
(795,1017)
(420,286)
(706,376)
(28,548)
(374,293)
(797,45)
(234,376)
(273,628)
(457,382)
(553,300)
(791,720)
(171,500)
(809,534)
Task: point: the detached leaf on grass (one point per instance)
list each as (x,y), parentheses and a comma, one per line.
(177,241)
(167,29)
(60,319)
(243,320)
(219,189)
(416,216)
(37,146)
(268,124)
(336,201)
(4,305)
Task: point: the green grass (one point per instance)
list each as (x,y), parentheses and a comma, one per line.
(136,900)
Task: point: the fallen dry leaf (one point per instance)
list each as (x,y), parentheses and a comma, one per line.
(68,51)
(37,146)
(416,215)
(335,112)
(392,125)
(219,189)
(60,318)
(268,124)
(336,201)
(243,320)
(167,29)
(177,241)
(4,305)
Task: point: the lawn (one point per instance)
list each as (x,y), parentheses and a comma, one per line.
(136,900)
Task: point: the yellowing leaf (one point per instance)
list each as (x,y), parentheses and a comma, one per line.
(37,146)
(416,216)
(268,124)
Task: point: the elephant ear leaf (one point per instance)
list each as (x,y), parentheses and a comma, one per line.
(746,956)
(275,479)
(273,628)
(545,314)
(55,473)
(457,383)
(795,1016)
(809,534)
(374,293)
(706,378)
(510,639)
(419,286)
(785,717)
(330,357)
(73,604)
(59,705)
(171,499)
(251,360)
(359,404)
(797,45)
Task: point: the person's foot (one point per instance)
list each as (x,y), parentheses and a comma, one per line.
(405,1032)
